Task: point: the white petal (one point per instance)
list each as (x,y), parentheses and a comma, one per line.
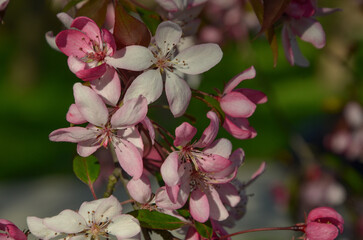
(135,58)
(50,38)
(167,35)
(124,226)
(86,209)
(221,147)
(309,30)
(199,58)
(72,134)
(67,221)
(108,209)
(65,19)
(148,84)
(90,105)
(178,94)
(38,229)
(108,87)
(217,209)
(133,136)
(131,113)
(140,189)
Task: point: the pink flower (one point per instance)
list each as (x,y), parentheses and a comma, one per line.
(323,223)
(11,232)
(94,219)
(162,63)
(239,104)
(117,129)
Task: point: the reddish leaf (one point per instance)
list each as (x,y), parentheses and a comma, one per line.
(129,30)
(272,11)
(258,9)
(94,9)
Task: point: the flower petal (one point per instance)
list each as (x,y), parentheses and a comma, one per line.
(221,147)
(93,73)
(86,148)
(134,58)
(163,200)
(129,157)
(309,30)
(108,209)
(211,162)
(249,73)
(75,64)
(169,169)
(109,40)
(228,194)
(167,36)
(329,214)
(108,87)
(89,27)
(321,231)
(133,136)
(239,128)
(74,115)
(235,104)
(38,229)
(255,96)
(199,206)
(178,94)
(73,42)
(90,105)
(148,84)
(130,113)
(291,48)
(65,19)
(184,134)
(210,132)
(67,221)
(140,189)
(217,209)
(192,234)
(124,226)
(198,58)
(72,134)
(86,209)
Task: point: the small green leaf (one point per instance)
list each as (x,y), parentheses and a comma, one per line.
(94,9)
(184,213)
(86,169)
(204,229)
(156,220)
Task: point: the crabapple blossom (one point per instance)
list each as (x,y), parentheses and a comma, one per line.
(11,232)
(323,223)
(103,129)
(239,104)
(3,6)
(95,219)
(198,172)
(160,63)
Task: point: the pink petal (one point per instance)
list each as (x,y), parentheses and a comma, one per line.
(75,64)
(129,157)
(228,194)
(309,30)
(221,147)
(227,174)
(67,221)
(324,214)
(72,134)
(259,171)
(239,128)
(109,40)
(86,148)
(291,48)
(246,74)
(148,84)
(133,136)
(130,113)
(178,94)
(74,115)
(321,231)
(150,128)
(184,134)
(210,133)
(237,105)
(169,169)
(108,87)
(163,200)
(199,206)
(90,74)
(217,209)
(192,234)
(211,162)
(255,96)
(90,105)
(73,42)
(13,231)
(173,192)
(198,58)
(167,35)
(135,58)
(140,189)
(89,27)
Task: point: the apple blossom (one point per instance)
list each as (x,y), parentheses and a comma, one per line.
(239,104)
(117,130)
(95,219)
(160,63)
(11,232)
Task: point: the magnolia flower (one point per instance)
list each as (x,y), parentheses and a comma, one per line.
(239,104)
(160,63)
(11,232)
(95,219)
(196,171)
(87,48)
(117,129)
(323,223)
(299,21)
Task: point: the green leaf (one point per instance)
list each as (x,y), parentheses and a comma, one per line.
(156,220)
(71,4)
(150,18)
(184,213)
(94,9)
(86,169)
(204,229)
(129,30)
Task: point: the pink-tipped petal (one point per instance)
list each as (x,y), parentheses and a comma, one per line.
(75,64)
(108,87)
(321,231)
(210,132)
(326,215)
(221,147)
(255,96)
(178,94)
(198,58)
(133,136)
(167,35)
(108,38)
(199,206)
(259,171)
(129,158)
(131,113)
(236,104)
(134,58)
(90,74)
(90,105)
(291,48)
(150,128)
(237,158)
(239,128)
(217,210)
(148,84)
(72,134)
(184,134)
(74,115)
(228,194)
(309,30)
(163,200)
(86,148)
(211,162)
(173,192)
(89,27)
(73,42)
(67,221)
(169,169)
(140,189)
(246,74)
